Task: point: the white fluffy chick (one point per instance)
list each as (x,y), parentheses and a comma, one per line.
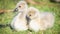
(19,21)
(33,15)
(39,21)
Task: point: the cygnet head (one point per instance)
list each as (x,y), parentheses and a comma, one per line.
(21,6)
(32,13)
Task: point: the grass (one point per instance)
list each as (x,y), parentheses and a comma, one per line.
(45,6)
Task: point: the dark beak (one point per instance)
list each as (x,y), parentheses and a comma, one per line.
(15,10)
(28,20)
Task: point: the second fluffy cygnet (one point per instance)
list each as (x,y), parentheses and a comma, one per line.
(39,21)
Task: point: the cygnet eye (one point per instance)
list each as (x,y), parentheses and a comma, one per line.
(19,6)
(29,15)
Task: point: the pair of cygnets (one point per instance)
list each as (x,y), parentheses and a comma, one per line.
(36,20)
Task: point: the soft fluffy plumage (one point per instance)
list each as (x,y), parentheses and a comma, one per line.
(39,20)
(19,21)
